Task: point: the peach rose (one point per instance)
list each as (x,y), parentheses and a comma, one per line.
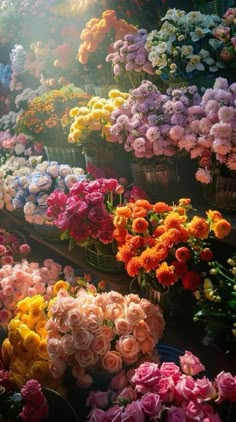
(127,346)
(84,380)
(92,323)
(114,311)
(54,347)
(82,338)
(86,358)
(57,367)
(141,331)
(112,361)
(74,318)
(147,306)
(147,345)
(107,331)
(67,344)
(135,313)
(122,327)
(100,344)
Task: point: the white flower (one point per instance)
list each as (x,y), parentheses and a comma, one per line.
(194,64)
(29,208)
(193,17)
(187,50)
(19,149)
(198,33)
(157,60)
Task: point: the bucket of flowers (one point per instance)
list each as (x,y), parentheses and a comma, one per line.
(216,304)
(165,247)
(47,120)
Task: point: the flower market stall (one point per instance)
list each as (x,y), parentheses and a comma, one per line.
(117,210)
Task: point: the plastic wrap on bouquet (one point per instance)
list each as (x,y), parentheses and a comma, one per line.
(103,262)
(159,181)
(58,407)
(66,155)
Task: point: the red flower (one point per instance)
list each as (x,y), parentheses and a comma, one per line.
(191,280)
(206,255)
(182,254)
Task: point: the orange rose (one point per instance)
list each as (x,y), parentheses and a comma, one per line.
(119,234)
(139,212)
(127,346)
(119,221)
(122,326)
(123,211)
(161,207)
(214,215)
(141,331)
(143,203)
(147,345)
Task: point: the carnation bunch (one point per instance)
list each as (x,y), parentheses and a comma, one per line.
(84,214)
(216,303)
(161,244)
(167,392)
(93,333)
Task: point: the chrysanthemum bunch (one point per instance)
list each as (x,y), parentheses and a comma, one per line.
(90,333)
(92,122)
(161,244)
(150,124)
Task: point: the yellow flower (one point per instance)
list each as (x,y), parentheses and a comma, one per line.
(23,305)
(42,350)
(18,366)
(6,351)
(39,370)
(60,284)
(40,328)
(17,378)
(32,340)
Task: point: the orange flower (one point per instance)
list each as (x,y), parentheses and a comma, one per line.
(184,234)
(221,228)
(133,266)
(119,234)
(119,221)
(214,215)
(174,220)
(124,253)
(184,201)
(182,254)
(171,237)
(139,212)
(149,259)
(161,207)
(139,225)
(143,203)
(124,211)
(136,241)
(199,227)
(161,251)
(166,275)
(159,231)
(191,280)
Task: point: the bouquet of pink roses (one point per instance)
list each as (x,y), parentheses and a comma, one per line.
(166,392)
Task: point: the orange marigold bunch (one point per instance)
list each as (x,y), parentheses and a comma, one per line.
(166,243)
(97,28)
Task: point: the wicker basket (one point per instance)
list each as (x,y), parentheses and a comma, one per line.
(105,263)
(66,155)
(221,193)
(47,232)
(158,181)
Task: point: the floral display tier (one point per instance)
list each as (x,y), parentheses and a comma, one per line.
(103,262)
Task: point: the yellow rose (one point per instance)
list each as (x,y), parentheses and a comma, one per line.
(60,284)
(39,370)
(37,301)
(18,379)
(18,366)
(32,340)
(23,305)
(27,320)
(42,350)
(40,328)
(6,351)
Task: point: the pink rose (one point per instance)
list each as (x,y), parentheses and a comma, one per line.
(176,414)
(191,364)
(97,415)
(114,414)
(222,33)
(165,388)
(57,367)
(204,389)
(99,399)
(233,41)
(84,380)
(194,411)
(67,344)
(146,376)
(119,381)
(229,15)
(100,344)
(151,404)
(170,369)
(54,347)
(82,338)
(226,384)
(184,389)
(128,394)
(24,249)
(133,412)
(74,318)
